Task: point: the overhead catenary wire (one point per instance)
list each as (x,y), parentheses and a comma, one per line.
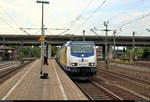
(46,28)
(96,10)
(81,14)
(137,19)
(60,33)
(5,21)
(95,32)
(36,32)
(49,32)
(10,17)
(23,29)
(14,21)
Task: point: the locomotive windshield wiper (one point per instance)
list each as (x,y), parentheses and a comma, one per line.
(82,50)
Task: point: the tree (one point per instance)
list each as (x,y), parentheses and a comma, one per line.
(54,50)
(138,52)
(146,52)
(128,53)
(28,51)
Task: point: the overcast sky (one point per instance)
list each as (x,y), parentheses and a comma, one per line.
(76,15)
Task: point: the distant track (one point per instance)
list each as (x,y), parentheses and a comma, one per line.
(5,73)
(138,86)
(7,64)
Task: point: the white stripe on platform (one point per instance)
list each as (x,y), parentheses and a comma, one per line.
(11,90)
(60,84)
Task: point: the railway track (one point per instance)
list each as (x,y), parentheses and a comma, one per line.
(137,86)
(127,77)
(135,74)
(138,63)
(94,91)
(8,64)
(8,71)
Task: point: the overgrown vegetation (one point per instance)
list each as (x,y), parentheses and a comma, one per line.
(31,52)
(28,51)
(54,50)
(146,53)
(140,52)
(123,61)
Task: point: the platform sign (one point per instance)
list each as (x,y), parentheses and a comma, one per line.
(42,38)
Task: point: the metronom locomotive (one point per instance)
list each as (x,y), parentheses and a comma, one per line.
(78,59)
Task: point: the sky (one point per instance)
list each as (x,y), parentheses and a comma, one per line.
(76,15)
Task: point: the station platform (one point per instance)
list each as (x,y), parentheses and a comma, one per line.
(27,84)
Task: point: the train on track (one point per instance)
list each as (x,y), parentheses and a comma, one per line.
(78,59)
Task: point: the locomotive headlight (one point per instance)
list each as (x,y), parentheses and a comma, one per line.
(82,55)
(91,64)
(74,64)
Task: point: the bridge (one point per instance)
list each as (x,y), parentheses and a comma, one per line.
(33,40)
(27,40)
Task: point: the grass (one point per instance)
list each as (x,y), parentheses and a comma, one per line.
(123,61)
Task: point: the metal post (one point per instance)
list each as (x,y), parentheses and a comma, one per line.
(3,53)
(103,52)
(117,51)
(42,42)
(106,25)
(106,60)
(83,35)
(124,53)
(42,34)
(22,49)
(114,32)
(49,51)
(133,46)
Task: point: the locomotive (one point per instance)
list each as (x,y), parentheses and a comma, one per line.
(78,59)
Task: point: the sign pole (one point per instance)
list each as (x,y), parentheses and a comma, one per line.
(42,35)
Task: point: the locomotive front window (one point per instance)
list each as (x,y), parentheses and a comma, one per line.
(81,48)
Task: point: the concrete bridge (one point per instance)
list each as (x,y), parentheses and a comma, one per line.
(60,39)
(26,40)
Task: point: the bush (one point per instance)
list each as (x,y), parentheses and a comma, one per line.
(123,61)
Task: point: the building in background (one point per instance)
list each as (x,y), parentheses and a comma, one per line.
(8,53)
(99,52)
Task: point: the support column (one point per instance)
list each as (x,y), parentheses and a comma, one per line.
(22,49)
(110,52)
(49,51)
(103,52)
(3,51)
(46,50)
(133,46)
